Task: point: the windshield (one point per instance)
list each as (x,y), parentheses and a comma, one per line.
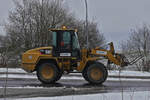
(75,42)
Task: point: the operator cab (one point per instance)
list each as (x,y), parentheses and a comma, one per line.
(65,43)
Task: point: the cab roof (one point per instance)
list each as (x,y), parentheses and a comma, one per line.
(62,29)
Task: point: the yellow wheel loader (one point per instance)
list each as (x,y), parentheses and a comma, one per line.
(65,55)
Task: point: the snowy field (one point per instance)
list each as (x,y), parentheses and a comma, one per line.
(69,77)
(17,70)
(111,73)
(145,95)
(129,73)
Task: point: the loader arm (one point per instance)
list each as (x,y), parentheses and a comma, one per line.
(109,53)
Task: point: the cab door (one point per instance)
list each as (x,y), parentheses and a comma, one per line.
(62,41)
(65,43)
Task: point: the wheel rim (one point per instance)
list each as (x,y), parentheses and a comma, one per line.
(96,74)
(47,72)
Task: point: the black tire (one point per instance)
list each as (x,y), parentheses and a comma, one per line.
(59,75)
(49,76)
(84,74)
(100,73)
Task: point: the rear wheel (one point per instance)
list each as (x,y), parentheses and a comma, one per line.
(47,73)
(95,73)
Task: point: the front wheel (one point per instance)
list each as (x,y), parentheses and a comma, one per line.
(47,73)
(95,73)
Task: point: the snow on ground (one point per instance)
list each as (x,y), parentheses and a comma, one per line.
(114,72)
(17,70)
(128,73)
(144,95)
(111,73)
(32,76)
(33,87)
(126,79)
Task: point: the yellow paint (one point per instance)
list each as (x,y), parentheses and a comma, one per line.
(31,57)
(28,67)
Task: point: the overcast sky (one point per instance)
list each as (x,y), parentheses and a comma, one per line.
(115,17)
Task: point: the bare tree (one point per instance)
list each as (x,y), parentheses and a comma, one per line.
(139,45)
(29,22)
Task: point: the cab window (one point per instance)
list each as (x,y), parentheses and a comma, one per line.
(75,42)
(66,40)
(54,39)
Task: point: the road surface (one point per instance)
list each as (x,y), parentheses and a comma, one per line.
(20,88)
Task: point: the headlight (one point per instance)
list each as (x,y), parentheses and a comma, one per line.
(45,51)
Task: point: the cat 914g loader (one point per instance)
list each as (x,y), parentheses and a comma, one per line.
(65,55)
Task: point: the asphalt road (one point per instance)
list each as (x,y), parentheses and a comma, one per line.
(67,87)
